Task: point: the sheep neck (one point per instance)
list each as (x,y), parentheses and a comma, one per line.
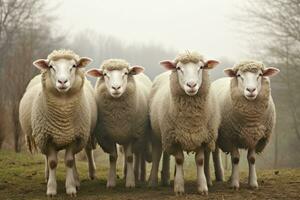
(118,111)
(61,107)
(189,107)
(250,111)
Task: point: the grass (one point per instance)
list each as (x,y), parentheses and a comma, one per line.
(22,177)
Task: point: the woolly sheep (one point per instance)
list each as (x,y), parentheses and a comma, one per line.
(58,111)
(184,117)
(247,114)
(122,98)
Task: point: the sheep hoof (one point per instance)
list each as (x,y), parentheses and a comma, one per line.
(179,193)
(253,186)
(71,191)
(92,176)
(51,193)
(234,187)
(203,190)
(130,185)
(179,190)
(153,184)
(110,185)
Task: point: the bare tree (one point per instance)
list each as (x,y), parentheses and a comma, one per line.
(24,37)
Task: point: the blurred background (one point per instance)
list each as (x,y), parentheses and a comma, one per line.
(145,32)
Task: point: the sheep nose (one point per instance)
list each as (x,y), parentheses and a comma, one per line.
(63,81)
(251,90)
(116,87)
(191,84)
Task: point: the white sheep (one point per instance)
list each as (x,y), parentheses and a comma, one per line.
(184,116)
(122,97)
(58,111)
(247,114)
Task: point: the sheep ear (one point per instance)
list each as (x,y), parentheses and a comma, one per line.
(230,72)
(41,64)
(270,71)
(95,72)
(169,65)
(210,64)
(134,70)
(84,61)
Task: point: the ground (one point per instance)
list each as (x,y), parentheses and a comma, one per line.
(22,177)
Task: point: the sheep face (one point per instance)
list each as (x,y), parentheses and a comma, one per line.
(189,74)
(62,72)
(116,80)
(249,82)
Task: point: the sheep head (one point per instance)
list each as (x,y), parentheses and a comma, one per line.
(189,68)
(62,65)
(249,75)
(116,73)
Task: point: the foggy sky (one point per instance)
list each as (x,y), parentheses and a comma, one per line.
(205,26)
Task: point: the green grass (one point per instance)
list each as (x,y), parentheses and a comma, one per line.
(22,177)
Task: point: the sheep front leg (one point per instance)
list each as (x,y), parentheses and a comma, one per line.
(165,172)
(219,171)
(91,162)
(70,179)
(76,176)
(206,167)
(130,179)
(201,179)
(235,158)
(252,179)
(52,164)
(156,155)
(179,176)
(46,169)
(112,176)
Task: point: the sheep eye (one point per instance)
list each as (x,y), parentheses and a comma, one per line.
(178,68)
(50,66)
(74,66)
(238,75)
(105,74)
(201,67)
(126,73)
(260,74)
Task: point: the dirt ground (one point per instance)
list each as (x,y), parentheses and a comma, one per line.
(22,177)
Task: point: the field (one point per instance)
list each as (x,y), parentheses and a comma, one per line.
(22,177)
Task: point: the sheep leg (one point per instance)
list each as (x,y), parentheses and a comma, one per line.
(46,169)
(206,167)
(235,158)
(201,179)
(91,162)
(137,160)
(252,179)
(143,168)
(179,176)
(70,179)
(52,164)
(130,179)
(76,176)
(219,171)
(156,155)
(112,176)
(165,172)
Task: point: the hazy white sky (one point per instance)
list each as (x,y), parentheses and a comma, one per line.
(202,25)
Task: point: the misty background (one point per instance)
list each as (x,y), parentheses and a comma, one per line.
(145,32)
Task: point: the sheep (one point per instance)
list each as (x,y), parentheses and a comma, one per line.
(183,117)
(58,111)
(247,115)
(122,98)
